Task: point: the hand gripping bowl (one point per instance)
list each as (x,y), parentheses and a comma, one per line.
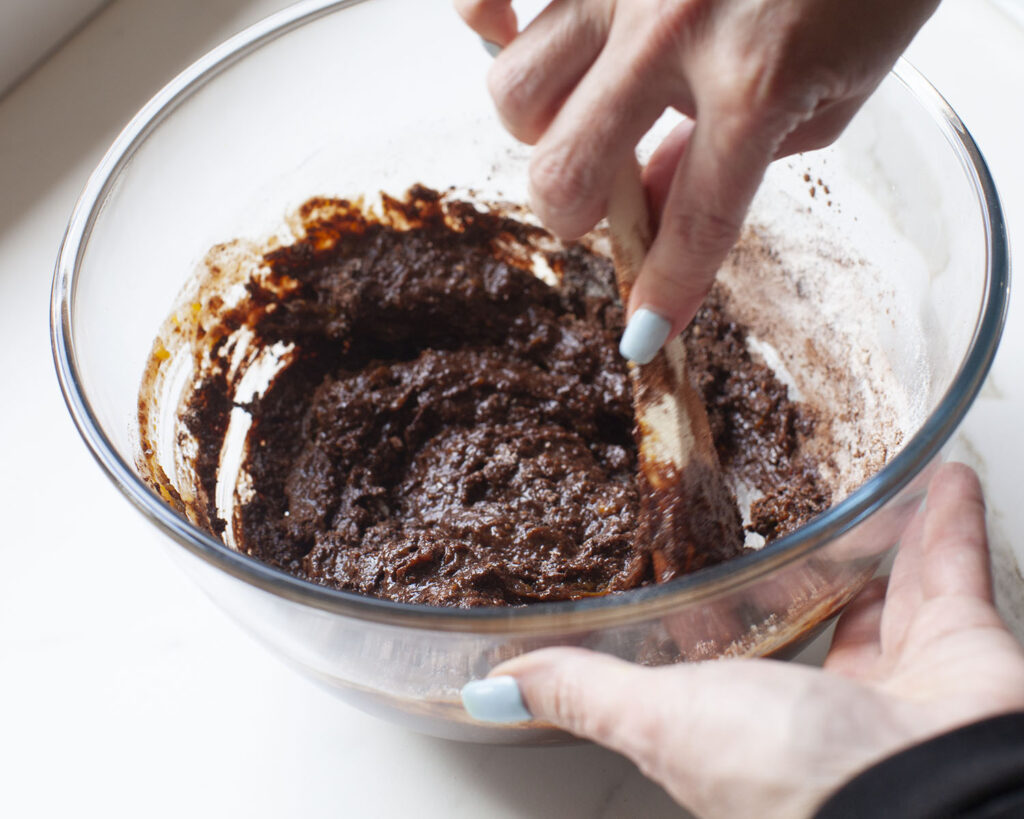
(335,98)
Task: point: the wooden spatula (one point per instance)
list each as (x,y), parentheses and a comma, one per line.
(689,514)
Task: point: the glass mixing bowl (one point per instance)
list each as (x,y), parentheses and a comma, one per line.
(338,98)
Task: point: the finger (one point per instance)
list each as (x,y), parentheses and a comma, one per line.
(823,128)
(856,644)
(534,75)
(597,129)
(944,552)
(586,693)
(494,20)
(955,543)
(661,167)
(713,185)
(905,596)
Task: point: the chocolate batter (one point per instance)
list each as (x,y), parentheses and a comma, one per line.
(756,427)
(453,430)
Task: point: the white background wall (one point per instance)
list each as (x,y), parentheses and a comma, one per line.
(29,29)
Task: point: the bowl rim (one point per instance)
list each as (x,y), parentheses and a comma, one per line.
(612,610)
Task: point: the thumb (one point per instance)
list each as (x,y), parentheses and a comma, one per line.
(717,176)
(733,737)
(591,695)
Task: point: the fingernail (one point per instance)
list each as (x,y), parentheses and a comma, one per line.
(644,335)
(496,699)
(491,48)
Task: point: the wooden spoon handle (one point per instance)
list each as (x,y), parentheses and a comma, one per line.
(673,421)
(689,516)
(630,225)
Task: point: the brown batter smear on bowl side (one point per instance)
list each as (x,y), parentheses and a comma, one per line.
(452,430)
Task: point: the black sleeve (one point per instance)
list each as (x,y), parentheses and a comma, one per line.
(974,772)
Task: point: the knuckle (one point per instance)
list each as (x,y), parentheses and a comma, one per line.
(787,90)
(583,704)
(562,189)
(676,18)
(679,285)
(507,85)
(664,31)
(755,99)
(569,703)
(566,699)
(707,233)
(771,87)
(513,89)
(793,101)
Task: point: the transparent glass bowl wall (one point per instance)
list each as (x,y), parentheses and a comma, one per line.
(336,99)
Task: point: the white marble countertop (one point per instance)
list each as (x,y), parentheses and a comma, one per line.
(125,692)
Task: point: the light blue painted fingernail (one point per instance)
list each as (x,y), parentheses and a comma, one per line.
(496,699)
(644,335)
(491,48)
